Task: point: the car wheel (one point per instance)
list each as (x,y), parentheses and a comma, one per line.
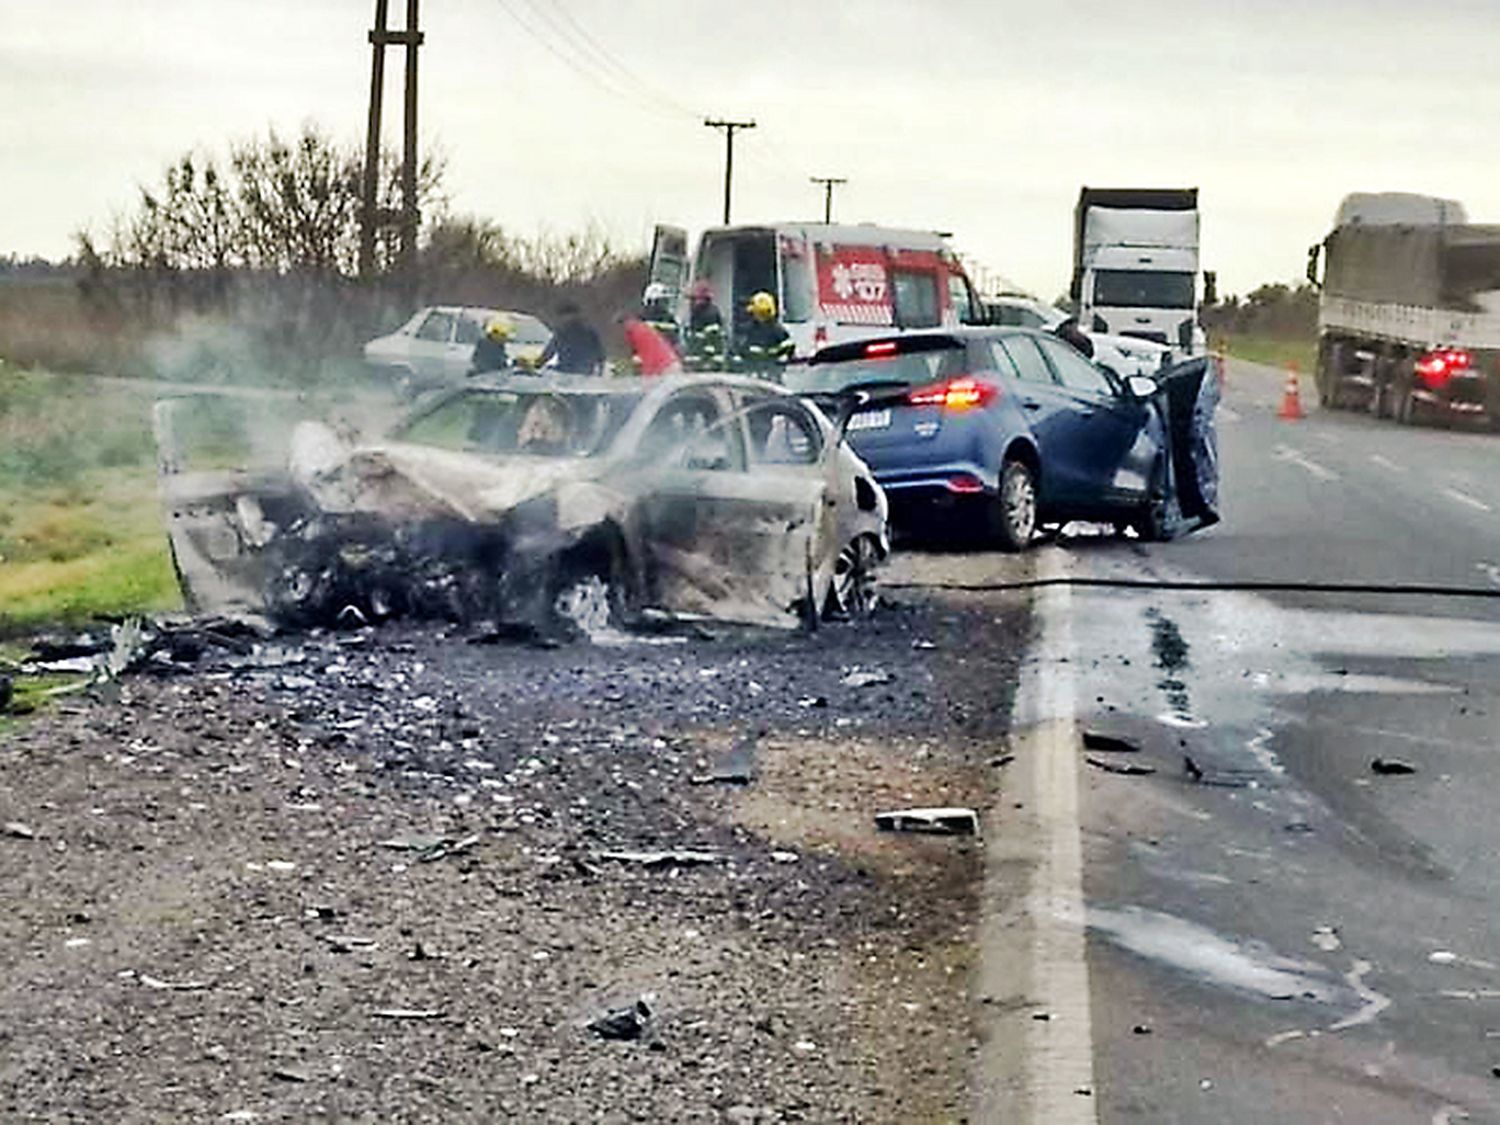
(1014,511)
(852,594)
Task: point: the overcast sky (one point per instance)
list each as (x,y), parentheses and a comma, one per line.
(980,117)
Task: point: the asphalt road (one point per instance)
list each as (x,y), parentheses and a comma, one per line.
(1277,931)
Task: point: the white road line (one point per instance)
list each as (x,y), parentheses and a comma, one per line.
(1052,1082)
(1302,461)
(1385,463)
(1464,498)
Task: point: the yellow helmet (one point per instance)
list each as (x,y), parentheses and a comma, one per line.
(499,329)
(762,306)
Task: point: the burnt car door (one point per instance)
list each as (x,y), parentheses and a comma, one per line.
(708,522)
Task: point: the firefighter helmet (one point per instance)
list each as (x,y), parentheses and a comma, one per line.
(762,306)
(656,291)
(499,329)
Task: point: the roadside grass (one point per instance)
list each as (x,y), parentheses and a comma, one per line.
(1273,351)
(80,530)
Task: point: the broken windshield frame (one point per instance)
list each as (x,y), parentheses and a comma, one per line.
(547,421)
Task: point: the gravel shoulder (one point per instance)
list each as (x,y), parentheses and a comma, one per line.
(211,919)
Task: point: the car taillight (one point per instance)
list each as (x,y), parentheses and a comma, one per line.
(1438,365)
(955,394)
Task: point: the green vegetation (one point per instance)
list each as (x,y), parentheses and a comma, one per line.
(80,530)
(1273,350)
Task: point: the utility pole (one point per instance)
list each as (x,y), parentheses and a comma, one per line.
(372,218)
(828,183)
(729,127)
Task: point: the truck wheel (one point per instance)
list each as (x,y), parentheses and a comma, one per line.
(1013,513)
(1380,393)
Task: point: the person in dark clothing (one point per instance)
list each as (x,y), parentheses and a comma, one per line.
(764,346)
(1069,332)
(575,345)
(704,339)
(489,352)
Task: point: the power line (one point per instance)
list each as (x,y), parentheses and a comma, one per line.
(609,60)
(572,62)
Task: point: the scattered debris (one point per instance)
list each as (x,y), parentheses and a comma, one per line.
(627,1023)
(1002,761)
(18,830)
(172,985)
(735,767)
(1108,743)
(672,857)
(1326,938)
(286,1074)
(1128,769)
(1141,1029)
(1388,767)
(784,857)
(7,692)
(408,1013)
(866,677)
(1192,768)
(429,849)
(1442,957)
(940,821)
(342,943)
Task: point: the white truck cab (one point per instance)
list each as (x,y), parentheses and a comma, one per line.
(832,282)
(1136,265)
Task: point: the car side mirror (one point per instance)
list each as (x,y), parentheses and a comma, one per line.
(1141,387)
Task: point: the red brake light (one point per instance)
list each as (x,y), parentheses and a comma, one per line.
(955,394)
(1435,368)
(881,347)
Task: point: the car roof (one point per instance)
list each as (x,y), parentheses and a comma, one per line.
(952,337)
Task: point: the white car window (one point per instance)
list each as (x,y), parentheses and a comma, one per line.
(438,328)
(1075,372)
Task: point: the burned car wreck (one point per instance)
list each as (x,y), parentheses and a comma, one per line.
(540,504)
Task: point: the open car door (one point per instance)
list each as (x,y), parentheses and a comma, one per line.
(1189,396)
(669,259)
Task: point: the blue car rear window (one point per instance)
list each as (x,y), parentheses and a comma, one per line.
(912,369)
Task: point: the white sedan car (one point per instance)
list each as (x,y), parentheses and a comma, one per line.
(435,347)
(1124,355)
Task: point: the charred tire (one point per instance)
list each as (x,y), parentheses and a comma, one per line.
(1154,523)
(587,591)
(853,594)
(1013,513)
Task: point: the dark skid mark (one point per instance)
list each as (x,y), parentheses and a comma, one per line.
(1171,652)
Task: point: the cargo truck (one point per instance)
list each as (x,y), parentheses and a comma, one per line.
(1135,265)
(1409,310)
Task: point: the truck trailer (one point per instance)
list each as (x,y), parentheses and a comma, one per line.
(1135,265)
(1409,310)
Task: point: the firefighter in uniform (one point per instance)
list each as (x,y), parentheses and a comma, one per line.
(764,346)
(704,339)
(657,312)
(489,352)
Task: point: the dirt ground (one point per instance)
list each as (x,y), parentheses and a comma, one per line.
(219,909)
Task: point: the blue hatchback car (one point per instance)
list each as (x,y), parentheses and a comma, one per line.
(1002,431)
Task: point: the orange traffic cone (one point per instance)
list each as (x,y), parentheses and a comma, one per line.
(1291,398)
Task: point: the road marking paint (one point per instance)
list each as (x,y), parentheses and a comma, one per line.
(1052,1080)
(1302,461)
(1285,1037)
(1385,463)
(1464,498)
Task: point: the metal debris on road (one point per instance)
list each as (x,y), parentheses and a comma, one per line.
(627,1023)
(1108,743)
(939,821)
(172,985)
(1127,769)
(429,849)
(866,677)
(1389,767)
(735,767)
(673,857)
(19,831)
(408,1013)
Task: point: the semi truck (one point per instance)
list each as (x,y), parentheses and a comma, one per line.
(1135,265)
(1408,310)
